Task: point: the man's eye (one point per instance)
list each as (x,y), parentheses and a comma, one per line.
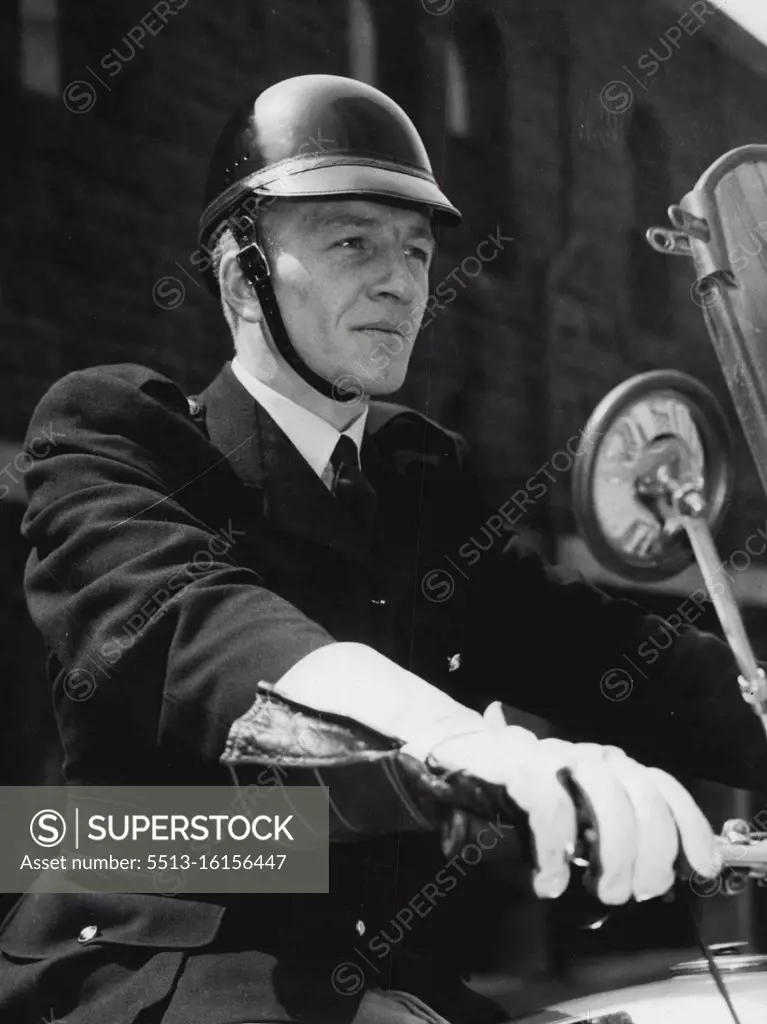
(420,254)
(354,242)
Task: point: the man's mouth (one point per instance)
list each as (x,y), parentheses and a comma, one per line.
(389,338)
(381,328)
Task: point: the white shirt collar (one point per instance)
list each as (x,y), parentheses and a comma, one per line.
(314,437)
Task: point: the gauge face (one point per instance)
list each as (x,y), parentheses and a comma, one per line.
(652,434)
(657,429)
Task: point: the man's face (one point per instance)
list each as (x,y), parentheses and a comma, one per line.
(351,278)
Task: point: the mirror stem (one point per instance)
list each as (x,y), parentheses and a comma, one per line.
(753,684)
(684,505)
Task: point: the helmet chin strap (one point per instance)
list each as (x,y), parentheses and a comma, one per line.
(255,267)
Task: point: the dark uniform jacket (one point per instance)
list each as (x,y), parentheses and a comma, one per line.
(183,552)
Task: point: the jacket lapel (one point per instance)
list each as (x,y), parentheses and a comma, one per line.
(278,479)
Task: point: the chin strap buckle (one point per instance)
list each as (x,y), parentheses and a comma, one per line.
(251,257)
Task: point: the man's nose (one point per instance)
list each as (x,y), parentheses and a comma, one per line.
(395,278)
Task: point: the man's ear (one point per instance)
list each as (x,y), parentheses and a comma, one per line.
(236,290)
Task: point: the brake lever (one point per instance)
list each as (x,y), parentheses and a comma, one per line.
(584,855)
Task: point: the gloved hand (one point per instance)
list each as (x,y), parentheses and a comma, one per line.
(642,815)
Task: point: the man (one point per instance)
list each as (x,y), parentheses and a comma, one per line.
(256,561)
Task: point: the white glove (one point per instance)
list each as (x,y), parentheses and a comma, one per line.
(354,680)
(641,814)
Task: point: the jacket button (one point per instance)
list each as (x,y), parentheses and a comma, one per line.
(454,662)
(88,933)
(194,407)
(360,927)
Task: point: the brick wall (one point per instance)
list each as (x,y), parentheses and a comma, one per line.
(705,103)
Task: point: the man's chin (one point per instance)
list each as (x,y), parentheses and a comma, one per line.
(383,385)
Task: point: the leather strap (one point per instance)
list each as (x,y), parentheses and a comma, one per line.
(375,789)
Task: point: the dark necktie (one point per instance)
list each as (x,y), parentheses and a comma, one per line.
(349,484)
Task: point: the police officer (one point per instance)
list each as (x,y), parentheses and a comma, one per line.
(320,513)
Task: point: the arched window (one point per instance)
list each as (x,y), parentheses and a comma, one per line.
(362,38)
(403,70)
(40,66)
(457,109)
(650,280)
(476,161)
